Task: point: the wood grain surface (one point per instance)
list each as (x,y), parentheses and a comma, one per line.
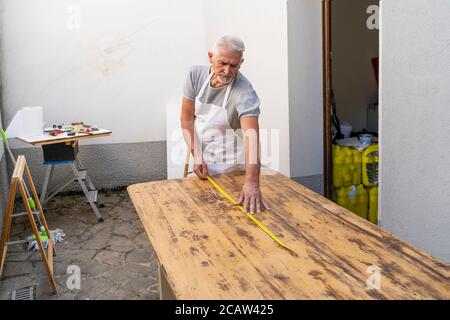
(48,139)
(211,250)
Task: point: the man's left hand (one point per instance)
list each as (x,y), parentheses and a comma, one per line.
(251,198)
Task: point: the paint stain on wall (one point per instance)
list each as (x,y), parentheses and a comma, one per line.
(109,55)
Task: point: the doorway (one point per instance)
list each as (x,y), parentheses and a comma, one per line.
(350,82)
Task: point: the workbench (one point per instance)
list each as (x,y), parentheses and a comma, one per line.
(207,249)
(78,173)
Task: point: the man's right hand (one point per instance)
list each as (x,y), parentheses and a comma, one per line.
(201,170)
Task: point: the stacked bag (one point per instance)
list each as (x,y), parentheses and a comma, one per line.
(355,180)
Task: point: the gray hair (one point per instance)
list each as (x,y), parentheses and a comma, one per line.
(233,43)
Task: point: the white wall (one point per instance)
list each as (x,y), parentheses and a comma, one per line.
(305,87)
(353,46)
(263,27)
(3,178)
(129,59)
(2,147)
(119,69)
(415,121)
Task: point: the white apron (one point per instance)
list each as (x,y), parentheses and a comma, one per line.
(222,147)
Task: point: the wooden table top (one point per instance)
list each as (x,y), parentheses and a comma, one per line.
(45,138)
(210,250)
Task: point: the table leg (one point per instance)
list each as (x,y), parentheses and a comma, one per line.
(80,177)
(91,186)
(165,291)
(48,174)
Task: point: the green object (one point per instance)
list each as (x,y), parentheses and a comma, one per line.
(353,198)
(42,235)
(31,202)
(373,205)
(4,138)
(346,166)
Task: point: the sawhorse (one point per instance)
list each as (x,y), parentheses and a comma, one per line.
(18,181)
(78,173)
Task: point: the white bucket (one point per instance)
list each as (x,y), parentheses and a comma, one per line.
(346,129)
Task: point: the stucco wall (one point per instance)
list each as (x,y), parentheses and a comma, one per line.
(114,64)
(305,87)
(262,24)
(415,120)
(125,61)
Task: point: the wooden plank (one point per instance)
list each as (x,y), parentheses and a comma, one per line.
(3,250)
(6,229)
(17,181)
(52,140)
(45,258)
(211,250)
(50,256)
(37,203)
(18,169)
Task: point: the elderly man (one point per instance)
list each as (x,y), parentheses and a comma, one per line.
(219,101)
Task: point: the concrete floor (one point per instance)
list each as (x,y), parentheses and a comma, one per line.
(115,257)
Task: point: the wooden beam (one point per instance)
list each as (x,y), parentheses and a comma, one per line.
(326,47)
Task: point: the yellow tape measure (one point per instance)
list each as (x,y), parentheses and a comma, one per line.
(256,221)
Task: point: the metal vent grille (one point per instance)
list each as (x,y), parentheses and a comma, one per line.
(22,294)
